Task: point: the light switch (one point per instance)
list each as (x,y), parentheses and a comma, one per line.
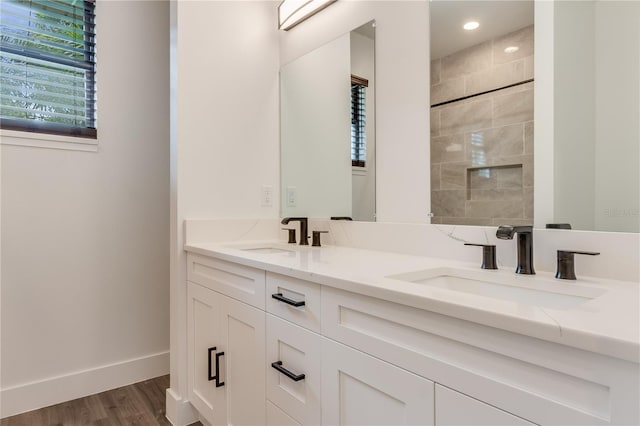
(266,199)
(292,196)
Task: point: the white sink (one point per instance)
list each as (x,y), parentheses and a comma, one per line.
(526,290)
(266,250)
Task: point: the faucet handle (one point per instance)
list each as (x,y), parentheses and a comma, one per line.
(566,265)
(315,241)
(292,235)
(488,255)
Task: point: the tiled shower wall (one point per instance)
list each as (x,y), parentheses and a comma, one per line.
(482,147)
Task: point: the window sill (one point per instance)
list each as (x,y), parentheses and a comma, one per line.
(43,140)
(358,171)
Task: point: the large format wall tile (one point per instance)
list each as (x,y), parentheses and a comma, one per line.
(435,122)
(495,142)
(465,221)
(529,65)
(475,58)
(453,175)
(495,208)
(495,78)
(435,177)
(510,177)
(448,148)
(527,194)
(495,194)
(482,143)
(528,137)
(466,117)
(523,39)
(435,71)
(448,203)
(447,90)
(513,108)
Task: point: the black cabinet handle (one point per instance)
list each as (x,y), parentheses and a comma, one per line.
(209,375)
(280,297)
(218,382)
(278,366)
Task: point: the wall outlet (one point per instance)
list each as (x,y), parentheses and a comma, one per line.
(266,198)
(292,196)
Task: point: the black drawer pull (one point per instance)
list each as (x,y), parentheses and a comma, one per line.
(218,382)
(280,297)
(209,375)
(278,366)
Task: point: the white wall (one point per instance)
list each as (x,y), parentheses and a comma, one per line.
(402,94)
(364,179)
(85,288)
(224,136)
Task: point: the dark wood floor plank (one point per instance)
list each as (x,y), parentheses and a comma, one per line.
(140,404)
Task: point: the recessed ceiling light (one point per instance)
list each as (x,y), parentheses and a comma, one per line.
(511,49)
(471,25)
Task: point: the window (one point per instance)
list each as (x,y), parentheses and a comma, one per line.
(47,66)
(358,121)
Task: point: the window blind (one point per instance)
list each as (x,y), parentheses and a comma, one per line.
(48,66)
(358,121)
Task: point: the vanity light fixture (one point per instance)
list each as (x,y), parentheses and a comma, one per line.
(471,25)
(511,49)
(292,12)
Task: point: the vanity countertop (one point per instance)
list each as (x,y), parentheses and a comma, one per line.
(608,324)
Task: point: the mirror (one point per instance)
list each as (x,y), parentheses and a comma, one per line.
(482,133)
(327,129)
(482,92)
(596,116)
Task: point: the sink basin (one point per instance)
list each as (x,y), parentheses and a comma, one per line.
(266,250)
(542,293)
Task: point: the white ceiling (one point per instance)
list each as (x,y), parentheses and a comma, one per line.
(495,17)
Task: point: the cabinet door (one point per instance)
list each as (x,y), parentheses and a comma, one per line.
(242,332)
(298,351)
(358,389)
(203,316)
(456,409)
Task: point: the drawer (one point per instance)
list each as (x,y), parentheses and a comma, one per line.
(456,409)
(277,417)
(299,352)
(294,290)
(543,382)
(239,282)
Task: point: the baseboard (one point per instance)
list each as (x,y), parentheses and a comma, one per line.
(180,412)
(35,395)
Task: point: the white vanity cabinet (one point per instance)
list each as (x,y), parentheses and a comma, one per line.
(531,379)
(225,349)
(322,355)
(294,372)
(293,350)
(358,389)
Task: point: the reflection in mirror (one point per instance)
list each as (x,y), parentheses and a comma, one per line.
(327,130)
(482,112)
(596,116)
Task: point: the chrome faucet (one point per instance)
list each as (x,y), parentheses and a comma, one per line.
(525,246)
(304,224)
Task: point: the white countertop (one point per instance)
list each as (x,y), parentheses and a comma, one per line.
(608,324)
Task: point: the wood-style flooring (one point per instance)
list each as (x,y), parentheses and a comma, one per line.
(140,404)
